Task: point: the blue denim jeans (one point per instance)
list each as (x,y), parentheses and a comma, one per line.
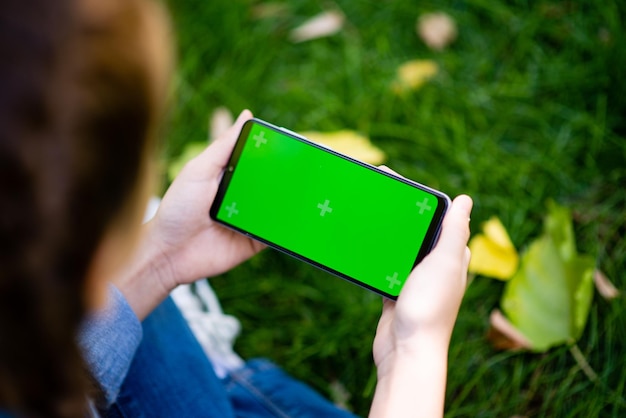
(171,376)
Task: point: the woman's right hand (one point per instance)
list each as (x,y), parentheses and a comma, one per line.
(411,344)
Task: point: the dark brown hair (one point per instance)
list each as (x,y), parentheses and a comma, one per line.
(77,109)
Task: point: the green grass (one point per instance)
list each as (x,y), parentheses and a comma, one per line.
(529,105)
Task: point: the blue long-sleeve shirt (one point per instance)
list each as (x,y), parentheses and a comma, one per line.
(109,339)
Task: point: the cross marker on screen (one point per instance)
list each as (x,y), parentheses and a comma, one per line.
(232,210)
(325,207)
(393,280)
(423,206)
(260,139)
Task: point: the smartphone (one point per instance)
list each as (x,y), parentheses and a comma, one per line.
(344,216)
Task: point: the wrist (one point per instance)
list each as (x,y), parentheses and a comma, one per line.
(411,353)
(434,340)
(149,277)
(412,381)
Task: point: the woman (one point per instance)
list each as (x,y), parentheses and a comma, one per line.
(82,88)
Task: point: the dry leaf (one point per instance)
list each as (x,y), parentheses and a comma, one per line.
(350,143)
(604,35)
(270,10)
(437,30)
(493,253)
(221,120)
(413,74)
(339,394)
(606,289)
(324,24)
(503,335)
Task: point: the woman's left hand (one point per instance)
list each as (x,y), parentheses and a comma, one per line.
(191,242)
(182,243)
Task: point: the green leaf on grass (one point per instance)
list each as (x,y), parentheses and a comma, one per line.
(548,299)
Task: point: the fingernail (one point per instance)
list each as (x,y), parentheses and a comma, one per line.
(245,114)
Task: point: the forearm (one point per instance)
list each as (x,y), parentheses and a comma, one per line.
(412,383)
(148,278)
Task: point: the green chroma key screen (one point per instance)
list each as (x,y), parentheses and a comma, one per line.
(343,216)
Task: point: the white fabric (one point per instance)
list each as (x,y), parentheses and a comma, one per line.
(215,331)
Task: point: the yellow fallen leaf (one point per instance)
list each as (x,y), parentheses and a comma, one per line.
(494,229)
(413,74)
(350,143)
(437,30)
(324,24)
(493,253)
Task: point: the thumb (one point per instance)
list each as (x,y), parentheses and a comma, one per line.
(455,229)
(215,157)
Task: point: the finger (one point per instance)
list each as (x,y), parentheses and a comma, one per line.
(466,261)
(455,228)
(223,146)
(231,134)
(388,307)
(390,171)
(215,157)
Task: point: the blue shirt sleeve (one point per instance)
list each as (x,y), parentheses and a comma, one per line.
(109,339)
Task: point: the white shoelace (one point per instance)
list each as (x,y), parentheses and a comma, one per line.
(214,330)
